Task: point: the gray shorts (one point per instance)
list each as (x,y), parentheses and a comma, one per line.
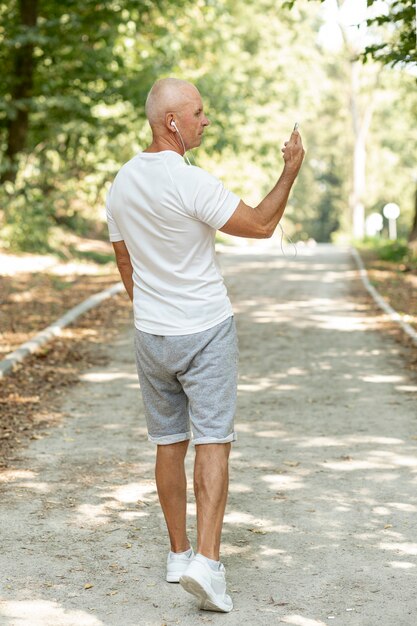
(187,378)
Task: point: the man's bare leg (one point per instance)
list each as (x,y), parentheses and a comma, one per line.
(171,483)
(211,483)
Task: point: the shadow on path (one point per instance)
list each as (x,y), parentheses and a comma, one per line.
(320,526)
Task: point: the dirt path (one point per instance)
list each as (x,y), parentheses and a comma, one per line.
(321,524)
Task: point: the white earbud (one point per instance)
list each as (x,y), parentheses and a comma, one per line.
(174,125)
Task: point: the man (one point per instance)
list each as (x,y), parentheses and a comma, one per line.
(162,216)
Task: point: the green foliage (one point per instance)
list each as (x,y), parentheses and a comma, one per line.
(259,68)
(91,255)
(393,251)
(28,219)
(396,251)
(85,107)
(397,28)
(392,147)
(393,28)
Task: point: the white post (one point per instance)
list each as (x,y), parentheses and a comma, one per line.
(391,211)
(392,228)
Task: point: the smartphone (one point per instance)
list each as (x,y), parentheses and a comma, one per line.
(296,126)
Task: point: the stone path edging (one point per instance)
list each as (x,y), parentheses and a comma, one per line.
(392,313)
(31,346)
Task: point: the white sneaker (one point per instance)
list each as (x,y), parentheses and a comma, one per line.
(207,585)
(176,565)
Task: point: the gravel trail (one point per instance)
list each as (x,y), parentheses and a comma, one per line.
(321,524)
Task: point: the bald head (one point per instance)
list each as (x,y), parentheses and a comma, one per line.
(167,95)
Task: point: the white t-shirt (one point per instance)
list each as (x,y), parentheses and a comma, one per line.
(167,213)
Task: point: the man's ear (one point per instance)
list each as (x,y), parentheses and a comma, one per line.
(170,122)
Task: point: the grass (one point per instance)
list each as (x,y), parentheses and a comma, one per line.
(101,258)
(394,251)
(392,270)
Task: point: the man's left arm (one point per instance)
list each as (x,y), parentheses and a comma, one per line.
(124,266)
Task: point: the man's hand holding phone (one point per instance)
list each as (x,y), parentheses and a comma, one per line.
(293,152)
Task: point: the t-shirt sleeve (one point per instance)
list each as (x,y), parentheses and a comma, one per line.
(114,233)
(213,203)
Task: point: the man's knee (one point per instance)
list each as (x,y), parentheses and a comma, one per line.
(213,452)
(172,450)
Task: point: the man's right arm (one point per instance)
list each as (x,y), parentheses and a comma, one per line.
(261,221)
(124,266)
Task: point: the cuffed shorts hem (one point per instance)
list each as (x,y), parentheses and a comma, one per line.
(198,440)
(167,439)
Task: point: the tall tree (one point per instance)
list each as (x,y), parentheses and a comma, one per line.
(361,106)
(21,87)
(393,29)
(61,60)
(259,69)
(413,232)
(398,47)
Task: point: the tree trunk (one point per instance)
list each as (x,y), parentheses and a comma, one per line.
(413,234)
(361,121)
(357,208)
(24,65)
(361,111)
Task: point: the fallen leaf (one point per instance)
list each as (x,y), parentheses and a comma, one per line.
(292,463)
(388,526)
(275,603)
(257,531)
(88,585)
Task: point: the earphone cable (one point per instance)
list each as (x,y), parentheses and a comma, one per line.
(292,243)
(183,145)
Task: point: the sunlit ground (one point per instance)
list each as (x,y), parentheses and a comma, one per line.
(320,526)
